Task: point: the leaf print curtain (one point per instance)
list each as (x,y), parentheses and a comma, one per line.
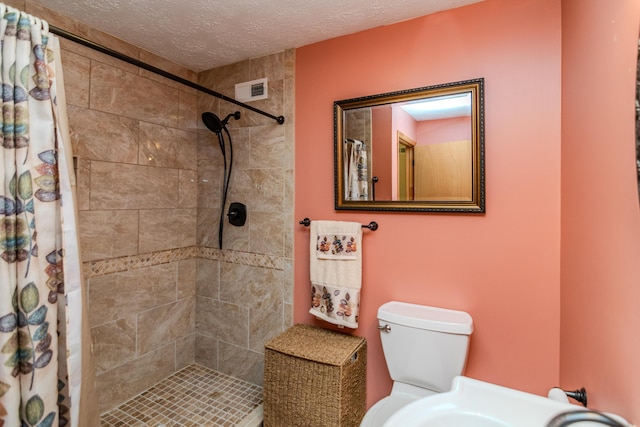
(356,176)
(41,334)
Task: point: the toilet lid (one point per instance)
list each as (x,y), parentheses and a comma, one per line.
(379,413)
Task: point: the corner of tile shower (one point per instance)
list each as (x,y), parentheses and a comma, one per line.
(195,396)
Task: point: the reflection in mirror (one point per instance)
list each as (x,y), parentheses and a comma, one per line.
(414,150)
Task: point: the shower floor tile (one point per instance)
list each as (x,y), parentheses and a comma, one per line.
(195,396)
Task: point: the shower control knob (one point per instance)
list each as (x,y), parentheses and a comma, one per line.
(237,214)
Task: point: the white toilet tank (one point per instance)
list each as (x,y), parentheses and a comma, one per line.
(424,346)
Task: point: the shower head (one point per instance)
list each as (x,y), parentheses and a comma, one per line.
(215,125)
(213,122)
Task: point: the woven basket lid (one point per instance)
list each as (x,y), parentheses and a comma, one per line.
(316,344)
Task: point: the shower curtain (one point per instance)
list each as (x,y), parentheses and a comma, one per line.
(356,177)
(45,366)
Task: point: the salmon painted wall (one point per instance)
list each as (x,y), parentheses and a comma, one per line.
(600,333)
(502,267)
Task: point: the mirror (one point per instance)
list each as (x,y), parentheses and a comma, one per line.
(413,150)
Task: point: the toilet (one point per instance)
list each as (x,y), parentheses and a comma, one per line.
(425,348)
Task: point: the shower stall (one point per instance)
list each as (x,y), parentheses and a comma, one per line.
(164,299)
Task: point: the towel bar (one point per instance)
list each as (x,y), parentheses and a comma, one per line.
(373,226)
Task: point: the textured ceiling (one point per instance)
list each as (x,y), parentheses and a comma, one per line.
(203,34)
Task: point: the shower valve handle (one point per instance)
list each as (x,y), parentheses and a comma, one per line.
(237,214)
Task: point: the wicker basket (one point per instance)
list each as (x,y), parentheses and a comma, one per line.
(314,378)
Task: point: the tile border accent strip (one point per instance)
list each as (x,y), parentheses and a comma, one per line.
(246,258)
(134,262)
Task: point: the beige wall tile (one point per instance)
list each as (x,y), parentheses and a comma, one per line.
(287,281)
(226,76)
(189,117)
(266,190)
(206,351)
(76,71)
(222,321)
(241,146)
(255,302)
(207,103)
(267,233)
(207,234)
(241,363)
(119,186)
(288,315)
(289,141)
(108,234)
(210,188)
(268,146)
(262,179)
(187,270)
(117,295)
(209,154)
(83,180)
(120,384)
(236,238)
(167,147)
(269,66)
(117,91)
(249,286)
(162,229)
(102,136)
(289,95)
(289,225)
(289,63)
(188,190)
(18,4)
(185,351)
(264,325)
(288,190)
(96,56)
(114,343)
(208,278)
(262,190)
(164,324)
(243,189)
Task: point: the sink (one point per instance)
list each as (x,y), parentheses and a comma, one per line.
(473,403)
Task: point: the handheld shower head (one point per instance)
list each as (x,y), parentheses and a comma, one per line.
(215,125)
(213,122)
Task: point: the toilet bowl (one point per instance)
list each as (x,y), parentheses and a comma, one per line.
(425,348)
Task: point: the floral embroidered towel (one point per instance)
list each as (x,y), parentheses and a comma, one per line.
(335,265)
(337,246)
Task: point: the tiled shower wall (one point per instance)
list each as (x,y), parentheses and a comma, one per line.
(135,138)
(160,293)
(245,297)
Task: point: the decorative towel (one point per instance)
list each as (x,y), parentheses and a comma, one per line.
(335,263)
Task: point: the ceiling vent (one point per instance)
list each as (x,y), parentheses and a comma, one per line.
(252,91)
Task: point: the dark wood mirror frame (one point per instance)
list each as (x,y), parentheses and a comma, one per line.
(474,199)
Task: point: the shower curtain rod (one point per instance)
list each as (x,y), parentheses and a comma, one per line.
(75,38)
